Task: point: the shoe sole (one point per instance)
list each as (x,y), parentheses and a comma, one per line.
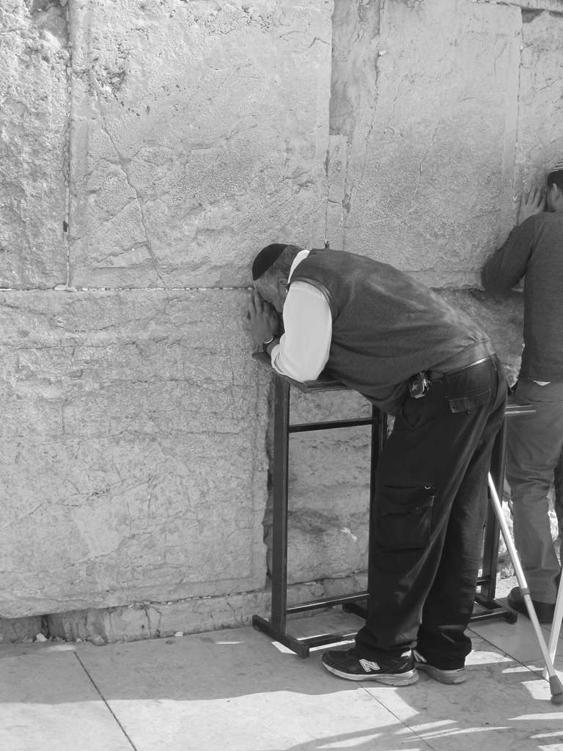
(523,610)
(389,679)
(448,677)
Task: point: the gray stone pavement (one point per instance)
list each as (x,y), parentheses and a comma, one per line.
(235,690)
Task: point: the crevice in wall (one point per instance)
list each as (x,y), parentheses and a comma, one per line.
(68,151)
(531,7)
(354,79)
(354,30)
(529,15)
(45,630)
(51,16)
(67,288)
(515,172)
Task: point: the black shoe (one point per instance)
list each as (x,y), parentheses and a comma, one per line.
(396,671)
(544,610)
(449,676)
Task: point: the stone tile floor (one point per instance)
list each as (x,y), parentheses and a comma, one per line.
(234,690)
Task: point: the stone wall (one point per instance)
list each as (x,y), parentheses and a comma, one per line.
(147,150)
(199,130)
(150,148)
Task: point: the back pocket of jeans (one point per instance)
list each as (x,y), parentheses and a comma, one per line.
(404,517)
(470,402)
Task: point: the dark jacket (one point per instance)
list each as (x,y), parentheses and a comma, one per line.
(534,250)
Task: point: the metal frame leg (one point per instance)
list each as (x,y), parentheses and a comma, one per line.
(280,501)
(276,626)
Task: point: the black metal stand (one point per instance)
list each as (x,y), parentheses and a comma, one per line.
(276,625)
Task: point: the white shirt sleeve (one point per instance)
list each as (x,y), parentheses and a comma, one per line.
(304,347)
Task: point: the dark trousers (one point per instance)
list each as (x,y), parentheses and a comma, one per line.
(533,464)
(427,530)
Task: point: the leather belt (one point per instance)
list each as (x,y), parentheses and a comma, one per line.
(437,375)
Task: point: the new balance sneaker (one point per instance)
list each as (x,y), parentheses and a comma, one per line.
(398,671)
(452,675)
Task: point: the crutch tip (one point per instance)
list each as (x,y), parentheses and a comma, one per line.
(556,690)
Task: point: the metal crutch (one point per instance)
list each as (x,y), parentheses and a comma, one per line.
(557,617)
(554,683)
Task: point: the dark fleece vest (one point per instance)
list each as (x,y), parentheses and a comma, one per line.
(385,326)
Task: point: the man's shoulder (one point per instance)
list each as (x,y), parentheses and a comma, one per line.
(545,231)
(546,218)
(534,227)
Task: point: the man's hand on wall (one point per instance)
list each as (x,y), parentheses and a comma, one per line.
(263,320)
(531,203)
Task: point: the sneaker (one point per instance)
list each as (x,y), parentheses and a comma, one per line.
(451,675)
(544,610)
(395,671)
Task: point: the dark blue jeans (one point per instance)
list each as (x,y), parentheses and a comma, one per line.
(427,530)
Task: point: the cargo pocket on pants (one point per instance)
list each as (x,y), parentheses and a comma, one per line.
(404,517)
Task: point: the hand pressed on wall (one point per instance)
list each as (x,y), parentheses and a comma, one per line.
(263,321)
(531,203)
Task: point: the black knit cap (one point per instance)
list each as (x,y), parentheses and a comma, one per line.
(266,258)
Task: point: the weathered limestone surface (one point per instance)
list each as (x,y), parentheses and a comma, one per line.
(540,104)
(431,139)
(20,629)
(131,460)
(33,123)
(159,619)
(328,488)
(199,135)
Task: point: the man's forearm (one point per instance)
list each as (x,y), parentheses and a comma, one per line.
(493,277)
(300,368)
(504,269)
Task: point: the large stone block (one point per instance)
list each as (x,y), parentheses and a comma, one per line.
(540,111)
(199,135)
(33,126)
(431,135)
(132,451)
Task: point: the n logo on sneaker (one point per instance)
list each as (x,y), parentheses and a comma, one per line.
(369,666)
(418,657)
